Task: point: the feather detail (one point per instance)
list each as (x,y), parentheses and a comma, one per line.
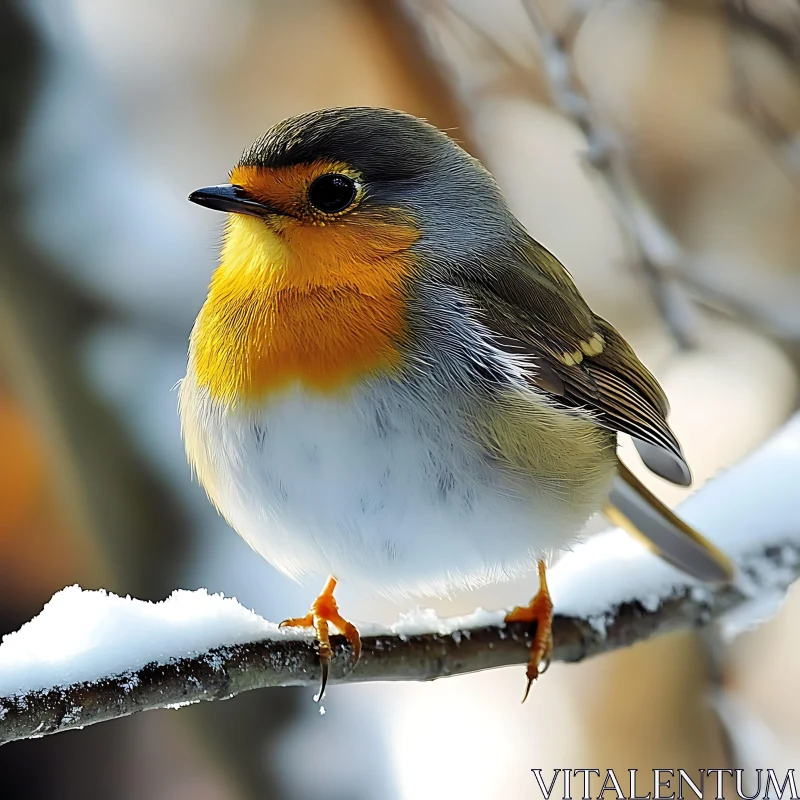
(531,306)
(301,304)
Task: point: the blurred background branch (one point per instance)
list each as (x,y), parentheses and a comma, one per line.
(656,250)
(778,23)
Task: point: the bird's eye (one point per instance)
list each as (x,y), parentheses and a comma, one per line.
(332,193)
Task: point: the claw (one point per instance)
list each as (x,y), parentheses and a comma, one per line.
(539,611)
(325,668)
(527,689)
(324,612)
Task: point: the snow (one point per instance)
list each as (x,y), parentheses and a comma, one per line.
(425,620)
(81,636)
(85,635)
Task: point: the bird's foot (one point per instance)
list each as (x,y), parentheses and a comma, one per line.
(540,611)
(323,613)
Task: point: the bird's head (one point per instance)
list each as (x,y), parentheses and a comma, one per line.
(333,218)
(326,193)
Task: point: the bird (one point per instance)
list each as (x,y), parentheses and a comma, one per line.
(392,384)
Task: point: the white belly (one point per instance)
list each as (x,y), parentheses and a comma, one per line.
(373,490)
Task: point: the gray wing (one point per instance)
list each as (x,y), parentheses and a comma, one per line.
(580,359)
(585,365)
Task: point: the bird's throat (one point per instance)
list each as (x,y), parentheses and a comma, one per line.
(322,308)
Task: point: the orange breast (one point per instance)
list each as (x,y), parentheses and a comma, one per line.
(322,306)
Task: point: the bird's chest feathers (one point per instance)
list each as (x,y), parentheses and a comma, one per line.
(317,307)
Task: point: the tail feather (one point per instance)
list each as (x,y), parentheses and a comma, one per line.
(637,510)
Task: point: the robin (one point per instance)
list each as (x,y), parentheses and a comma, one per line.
(392,384)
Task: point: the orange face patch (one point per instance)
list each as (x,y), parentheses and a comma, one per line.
(287,187)
(319,302)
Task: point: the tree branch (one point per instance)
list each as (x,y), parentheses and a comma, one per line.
(780,141)
(657,251)
(611,592)
(223,672)
(781,30)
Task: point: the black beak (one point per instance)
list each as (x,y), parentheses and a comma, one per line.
(233,199)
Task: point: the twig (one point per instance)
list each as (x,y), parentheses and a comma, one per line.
(713,296)
(422,71)
(226,671)
(781,142)
(657,250)
(488,42)
(784,38)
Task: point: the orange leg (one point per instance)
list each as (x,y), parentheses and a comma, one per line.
(323,613)
(539,611)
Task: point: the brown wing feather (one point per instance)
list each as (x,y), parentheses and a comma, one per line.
(581,360)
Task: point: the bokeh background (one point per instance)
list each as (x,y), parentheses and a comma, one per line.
(651,144)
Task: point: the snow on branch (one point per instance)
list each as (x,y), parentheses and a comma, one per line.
(91,656)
